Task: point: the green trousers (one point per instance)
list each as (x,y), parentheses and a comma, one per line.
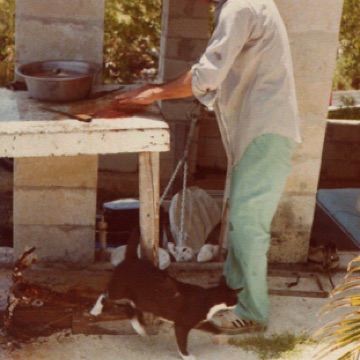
(257,183)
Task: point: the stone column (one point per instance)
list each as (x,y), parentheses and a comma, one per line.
(50,30)
(55,207)
(313,28)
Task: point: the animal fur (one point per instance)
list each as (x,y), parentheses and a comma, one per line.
(148,289)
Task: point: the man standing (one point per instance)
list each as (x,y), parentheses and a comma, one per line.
(246,76)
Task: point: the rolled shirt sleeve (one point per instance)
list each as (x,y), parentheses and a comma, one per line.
(229,37)
(246,75)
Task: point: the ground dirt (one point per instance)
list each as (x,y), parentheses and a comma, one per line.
(289,314)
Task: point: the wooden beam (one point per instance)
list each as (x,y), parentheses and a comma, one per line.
(149,191)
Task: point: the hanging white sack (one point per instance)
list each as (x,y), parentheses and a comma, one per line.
(201,214)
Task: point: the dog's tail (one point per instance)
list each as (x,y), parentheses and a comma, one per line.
(132,244)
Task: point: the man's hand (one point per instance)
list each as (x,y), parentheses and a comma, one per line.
(145,95)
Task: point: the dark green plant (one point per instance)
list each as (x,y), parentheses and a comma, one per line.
(347,74)
(131,39)
(283,346)
(7,40)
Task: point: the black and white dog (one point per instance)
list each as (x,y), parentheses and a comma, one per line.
(148,289)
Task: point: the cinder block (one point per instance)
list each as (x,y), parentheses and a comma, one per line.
(209,128)
(72,244)
(304,176)
(195,28)
(171,68)
(312,140)
(54,206)
(338,151)
(81,10)
(341,131)
(309,15)
(63,171)
(166,170)
(178,110)
(313,96)
(295,212)
(62,41)
(165,156)
(121,185)
(354,152)
(185,49)
(214,147)
(289,247)
(206,162)
(314,54)
(340,170)
(184,8)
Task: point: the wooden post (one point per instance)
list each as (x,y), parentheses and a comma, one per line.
(223,231)
(149,190)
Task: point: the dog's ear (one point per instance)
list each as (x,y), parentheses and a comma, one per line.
(132,244)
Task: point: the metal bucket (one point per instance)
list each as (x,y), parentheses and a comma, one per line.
(59,80)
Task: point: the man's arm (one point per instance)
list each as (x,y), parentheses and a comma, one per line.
(177,88)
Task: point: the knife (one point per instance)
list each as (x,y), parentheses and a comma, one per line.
(79,117)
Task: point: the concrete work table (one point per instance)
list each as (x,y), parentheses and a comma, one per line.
(28,132)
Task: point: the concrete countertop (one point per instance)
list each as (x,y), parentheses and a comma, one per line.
(27,130)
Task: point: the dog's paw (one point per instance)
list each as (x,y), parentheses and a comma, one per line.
(188,357)
(138,327)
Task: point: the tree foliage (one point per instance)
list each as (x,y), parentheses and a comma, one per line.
(131,39)
(7,39)
(347,74)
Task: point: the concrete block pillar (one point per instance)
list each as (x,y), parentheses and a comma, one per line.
(57,29)
(185,25)
(55,207)
(313,28)
(55,197)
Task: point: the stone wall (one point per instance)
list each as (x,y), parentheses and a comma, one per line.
(49,30)
(55,202)
(341,155)
(313,31)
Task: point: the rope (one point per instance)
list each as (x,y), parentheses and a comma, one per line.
(183,199)
(183,162)
(194,119)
